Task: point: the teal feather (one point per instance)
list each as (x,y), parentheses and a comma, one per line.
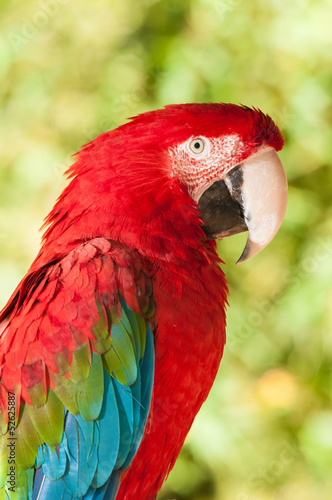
(137,407)
(109,435)
(45,489)
(108,491)
(42,456)
(54,465)
(126,416)
(82,438)
(146,370)
(147,373)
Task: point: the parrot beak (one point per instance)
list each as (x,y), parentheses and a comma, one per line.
(250,197)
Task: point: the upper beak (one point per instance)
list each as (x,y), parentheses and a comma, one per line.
(252,196)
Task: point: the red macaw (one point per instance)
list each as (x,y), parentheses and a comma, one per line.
(111,342)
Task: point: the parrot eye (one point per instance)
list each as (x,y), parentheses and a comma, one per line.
(197,145)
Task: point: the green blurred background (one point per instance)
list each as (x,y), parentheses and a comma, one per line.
(71,70)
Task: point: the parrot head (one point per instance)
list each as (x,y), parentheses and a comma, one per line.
(235,176)
(184,173)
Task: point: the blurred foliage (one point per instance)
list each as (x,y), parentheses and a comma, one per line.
(70,70)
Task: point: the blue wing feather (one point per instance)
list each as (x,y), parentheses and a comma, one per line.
(54,462)
(82,438)
(108,491)
(109,435)
(146,369)
(44,488)
(126,414)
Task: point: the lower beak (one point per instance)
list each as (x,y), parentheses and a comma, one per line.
(250,197)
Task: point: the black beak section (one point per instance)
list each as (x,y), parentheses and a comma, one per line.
(251,196)
(222,214)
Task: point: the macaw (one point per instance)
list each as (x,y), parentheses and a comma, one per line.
(111,342)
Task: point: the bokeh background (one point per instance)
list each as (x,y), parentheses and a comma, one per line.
(70,70)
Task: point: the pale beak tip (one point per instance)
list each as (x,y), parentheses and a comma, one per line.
(252,248)
(243,258)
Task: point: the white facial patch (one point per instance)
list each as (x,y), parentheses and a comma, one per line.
(198,171)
